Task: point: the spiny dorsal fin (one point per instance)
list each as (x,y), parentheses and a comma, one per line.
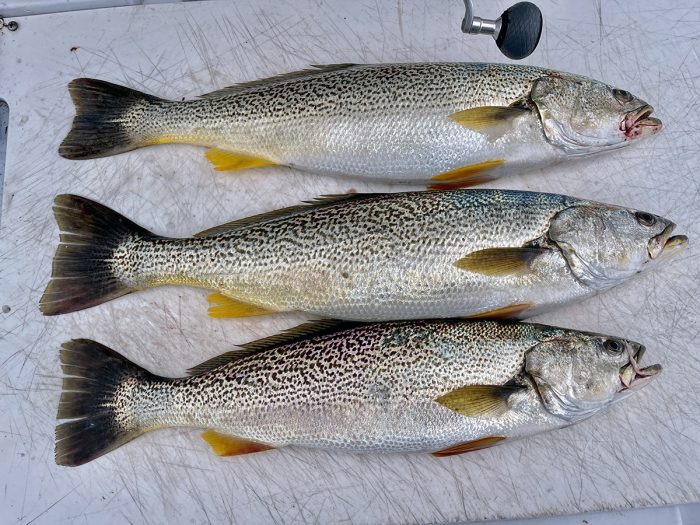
(501,261)
(313,71)
(479,400)
(291,335)
(319,202)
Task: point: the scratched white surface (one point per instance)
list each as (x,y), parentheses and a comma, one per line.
(642,452)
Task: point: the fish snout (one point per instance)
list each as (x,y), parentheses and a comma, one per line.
(632,376)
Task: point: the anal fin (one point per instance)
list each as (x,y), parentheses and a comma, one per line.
(224,306)
(469,446)
(225,445)
(225,160)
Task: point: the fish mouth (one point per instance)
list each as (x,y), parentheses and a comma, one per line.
(665,245)
(639,123)
(632,376)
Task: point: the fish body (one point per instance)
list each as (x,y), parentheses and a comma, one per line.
(370,257)
(440,123)
(413,386)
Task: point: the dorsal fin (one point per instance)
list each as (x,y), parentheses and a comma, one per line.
(319,202)
(291,335)
(313,71)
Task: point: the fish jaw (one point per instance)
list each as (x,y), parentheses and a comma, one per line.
(632,376)
(639,123)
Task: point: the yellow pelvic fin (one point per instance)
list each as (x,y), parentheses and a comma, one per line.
(469,446)
(500,261)
(225,160)
(479,400)
(225,445)
(507,312)
(487,118)
(464,176)
(225,306)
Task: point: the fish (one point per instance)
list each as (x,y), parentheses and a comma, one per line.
(368,257)
(446,125)
(434,386)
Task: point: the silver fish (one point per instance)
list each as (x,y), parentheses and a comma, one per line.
(451,124)
(369,257)
(446,387)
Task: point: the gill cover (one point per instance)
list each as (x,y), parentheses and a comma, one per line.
(580,115)
(574,377)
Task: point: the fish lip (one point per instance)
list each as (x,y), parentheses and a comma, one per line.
(639,121)
(657,244)
(632,376)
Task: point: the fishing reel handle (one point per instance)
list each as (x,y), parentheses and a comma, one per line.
(517,31)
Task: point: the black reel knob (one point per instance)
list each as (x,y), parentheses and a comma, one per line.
(521,27)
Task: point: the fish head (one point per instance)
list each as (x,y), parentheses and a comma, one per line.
(584,116)
(578,375)
(605,245)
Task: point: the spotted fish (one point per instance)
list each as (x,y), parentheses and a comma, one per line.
(444,387)
(370,257)
(444,124)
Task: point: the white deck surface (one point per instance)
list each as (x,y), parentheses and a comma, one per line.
(642,452)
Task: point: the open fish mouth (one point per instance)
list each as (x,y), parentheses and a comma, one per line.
(664,245)
(640,122)
(631,375)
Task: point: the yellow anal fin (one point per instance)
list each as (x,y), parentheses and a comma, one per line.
(225,445)
(224,306)
(507,312)
(479,400)
(225,160)
(469,446)
(464,176)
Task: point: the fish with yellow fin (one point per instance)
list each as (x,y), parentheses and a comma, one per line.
(369,257)
(445,124)
(444,387)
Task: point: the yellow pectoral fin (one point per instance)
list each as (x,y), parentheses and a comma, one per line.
(225,160)
(469,446)
(500,262)
(487,118)
(464,176)
(224,306)
(479,400)
(225,445)
(507,312)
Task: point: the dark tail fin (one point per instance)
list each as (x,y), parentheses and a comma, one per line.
(109,119)
(104,418)
(83,267)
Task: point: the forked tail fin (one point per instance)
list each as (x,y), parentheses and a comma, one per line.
(109,119)
(97,396)
(84,265)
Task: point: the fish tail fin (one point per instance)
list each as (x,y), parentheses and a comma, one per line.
(109,120)
(84,265)
(98,397)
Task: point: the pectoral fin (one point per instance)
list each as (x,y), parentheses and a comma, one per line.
(479,400)
(468,446)
(225,445)
(488,119)
(225,160)
(500,261)
(224,306)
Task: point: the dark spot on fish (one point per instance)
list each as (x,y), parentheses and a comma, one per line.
(345,275)
(74,49)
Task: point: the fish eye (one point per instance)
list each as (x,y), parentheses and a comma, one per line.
(622,95)
(614,346)
(645,219)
